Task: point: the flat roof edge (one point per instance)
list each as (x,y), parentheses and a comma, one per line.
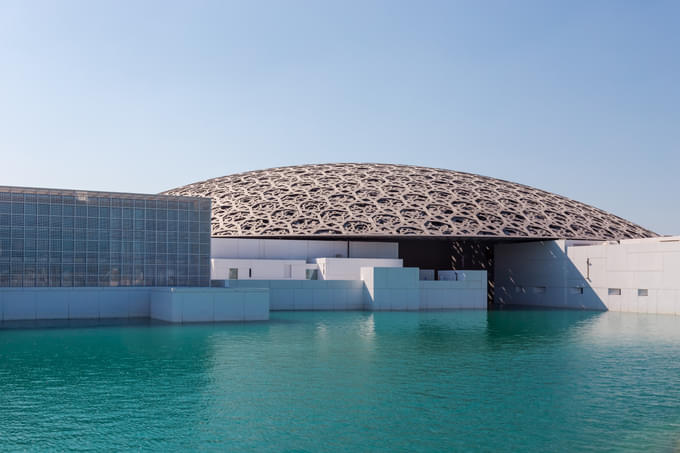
(77,192)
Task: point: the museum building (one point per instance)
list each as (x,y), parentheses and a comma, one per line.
(327,237)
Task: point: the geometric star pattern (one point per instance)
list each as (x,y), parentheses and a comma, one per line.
(391,201)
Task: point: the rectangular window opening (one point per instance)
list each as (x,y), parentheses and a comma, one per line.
(614,291)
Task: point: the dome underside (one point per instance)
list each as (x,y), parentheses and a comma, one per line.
(381,200)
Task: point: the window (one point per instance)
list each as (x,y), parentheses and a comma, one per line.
(576,290)
(614,291)
(312,274)
(643,292)
(233,273)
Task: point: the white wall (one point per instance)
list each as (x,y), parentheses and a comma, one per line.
(469,292)
(169,304)
(401,289)
(632,265)
(350,268)
(309,294)
(557,274)
(307,250)
(269,269)
(260,269)
(379,289)
(391,288)
(73,303)
(187,305)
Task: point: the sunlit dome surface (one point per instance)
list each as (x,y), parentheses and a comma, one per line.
(384,200)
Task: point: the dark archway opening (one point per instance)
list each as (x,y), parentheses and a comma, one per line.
(458,254)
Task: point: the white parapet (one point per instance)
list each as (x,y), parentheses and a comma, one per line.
(468,291)
(30,304)
(350,268)
(187,305)
(391,288)
(401,289)
(167,304)
(259,269)
(309,294)
(394,288)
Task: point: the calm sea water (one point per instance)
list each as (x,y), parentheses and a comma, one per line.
(349,381)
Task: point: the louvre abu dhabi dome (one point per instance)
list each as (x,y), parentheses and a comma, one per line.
(395,201)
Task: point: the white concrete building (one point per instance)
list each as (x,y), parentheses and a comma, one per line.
(326,236)
(281,259)
(635,275)
(298,276)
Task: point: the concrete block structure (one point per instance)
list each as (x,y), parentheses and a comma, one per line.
(635,275)
(192,305)
(468,289)
(391,288)
(378,289)
(177,305)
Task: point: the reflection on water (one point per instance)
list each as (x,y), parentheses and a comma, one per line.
(505,380)
(532,326)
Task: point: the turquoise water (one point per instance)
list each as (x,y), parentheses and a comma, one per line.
(349,381)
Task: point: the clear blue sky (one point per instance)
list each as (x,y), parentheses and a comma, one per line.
(581,98)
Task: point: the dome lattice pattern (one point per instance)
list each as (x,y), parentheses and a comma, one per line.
(395,200)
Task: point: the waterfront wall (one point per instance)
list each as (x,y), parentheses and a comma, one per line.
(247,300)
(380,289)
(187,305)
(391,288)
(468,293)
(167,304)
(18,304)
(309,294)
(401,289)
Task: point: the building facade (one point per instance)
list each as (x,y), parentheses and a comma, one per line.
(633,275)
(320,237)
(65,238)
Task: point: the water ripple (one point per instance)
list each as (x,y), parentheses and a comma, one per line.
(457,381)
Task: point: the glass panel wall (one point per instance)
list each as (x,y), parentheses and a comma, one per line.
(63,238)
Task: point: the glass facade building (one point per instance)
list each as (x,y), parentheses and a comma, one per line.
(57,238)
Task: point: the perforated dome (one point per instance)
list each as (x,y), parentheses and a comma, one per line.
(383,200)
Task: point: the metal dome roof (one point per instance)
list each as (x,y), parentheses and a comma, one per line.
(384,200)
